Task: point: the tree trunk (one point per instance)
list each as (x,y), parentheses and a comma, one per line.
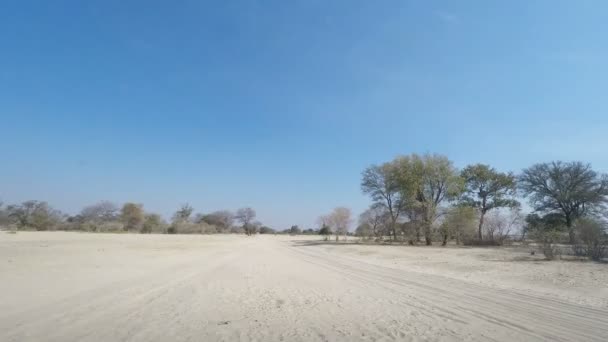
(481,224)
(427,234)
(571,235)
(445,239)
(394,229)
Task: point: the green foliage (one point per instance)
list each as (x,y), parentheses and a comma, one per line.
(487,189)
(459,223)
(573,189)
(382,184)
(425,182)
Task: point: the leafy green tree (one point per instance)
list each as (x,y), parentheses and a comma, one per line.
(381,183)
(487,189)
(572,189)
(426,182)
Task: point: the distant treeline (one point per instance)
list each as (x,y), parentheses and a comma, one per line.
(106,216)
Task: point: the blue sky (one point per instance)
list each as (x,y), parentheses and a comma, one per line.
(280,105)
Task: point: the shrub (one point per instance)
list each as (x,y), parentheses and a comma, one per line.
(593,239)
(547,240)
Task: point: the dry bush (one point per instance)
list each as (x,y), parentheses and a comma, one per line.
(547,240)
(593,240)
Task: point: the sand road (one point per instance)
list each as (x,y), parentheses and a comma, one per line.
(112,287)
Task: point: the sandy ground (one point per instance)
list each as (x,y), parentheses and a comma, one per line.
(111,287)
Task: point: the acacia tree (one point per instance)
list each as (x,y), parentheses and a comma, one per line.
(572,189)
(426,182)
(487,189)
(381,183)
(246,216)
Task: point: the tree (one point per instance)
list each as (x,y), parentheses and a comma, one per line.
(132,216)
(246,216)
(373,221)
(572,189)
(459,223)
(381,183)
(222,219)
(500,224)
(100,212)
(325,230)
(152,223)
(340,220)
(295,230)
(34,214)
(426,182)
(487,189)
(183,214)
(266,230)
(552,221)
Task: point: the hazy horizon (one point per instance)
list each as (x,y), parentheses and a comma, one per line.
(280,105)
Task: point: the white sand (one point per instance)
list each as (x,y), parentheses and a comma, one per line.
(104,287)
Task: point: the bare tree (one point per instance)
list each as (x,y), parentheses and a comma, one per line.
(340,220)
(100,212)
(376,219)
(572,189)
(246,216)
(501,224)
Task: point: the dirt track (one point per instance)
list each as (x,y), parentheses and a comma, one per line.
(88,287)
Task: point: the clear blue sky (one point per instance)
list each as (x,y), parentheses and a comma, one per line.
(280,105)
